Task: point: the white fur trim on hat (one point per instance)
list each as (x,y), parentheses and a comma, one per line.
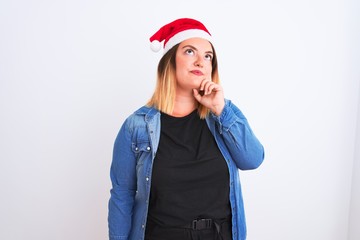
(186,34)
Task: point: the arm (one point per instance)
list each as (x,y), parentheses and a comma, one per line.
(245,149)
(123,179)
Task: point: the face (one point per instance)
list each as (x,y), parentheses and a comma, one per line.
(193,63)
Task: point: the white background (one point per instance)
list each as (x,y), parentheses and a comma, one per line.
(71,71)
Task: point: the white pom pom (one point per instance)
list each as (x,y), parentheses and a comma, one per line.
(155,46)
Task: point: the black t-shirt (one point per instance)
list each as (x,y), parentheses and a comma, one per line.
(190,178)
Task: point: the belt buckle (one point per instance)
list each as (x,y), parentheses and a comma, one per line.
(201,224)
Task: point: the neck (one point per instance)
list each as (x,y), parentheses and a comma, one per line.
(184,105)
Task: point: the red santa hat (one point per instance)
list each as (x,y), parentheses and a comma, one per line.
(176,32)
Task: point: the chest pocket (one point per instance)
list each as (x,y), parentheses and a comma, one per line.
(141,149)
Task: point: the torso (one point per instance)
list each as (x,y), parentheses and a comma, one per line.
(190,177)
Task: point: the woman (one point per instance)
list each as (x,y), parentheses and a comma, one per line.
(175,162)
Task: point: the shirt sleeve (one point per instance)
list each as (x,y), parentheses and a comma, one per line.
(123,180)
(244,147)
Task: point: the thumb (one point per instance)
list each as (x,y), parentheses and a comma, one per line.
(197,95)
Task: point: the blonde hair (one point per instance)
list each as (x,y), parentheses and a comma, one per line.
(163,97)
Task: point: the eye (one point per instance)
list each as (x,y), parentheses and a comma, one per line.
(189,51)
(208,57)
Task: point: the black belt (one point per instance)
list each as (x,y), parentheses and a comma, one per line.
(200,224)
(206,223)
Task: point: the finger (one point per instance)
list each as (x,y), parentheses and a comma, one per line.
(211,87)
(207,84)
(203,83)
(214,88)
(197,95)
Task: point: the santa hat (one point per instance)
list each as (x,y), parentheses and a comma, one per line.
(176,32)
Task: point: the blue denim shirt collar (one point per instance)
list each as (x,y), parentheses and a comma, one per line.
(149,113)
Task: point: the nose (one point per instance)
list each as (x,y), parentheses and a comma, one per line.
(199,62)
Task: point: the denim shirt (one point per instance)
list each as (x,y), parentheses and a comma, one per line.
(134,152)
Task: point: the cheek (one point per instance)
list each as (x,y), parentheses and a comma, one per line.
(209,70)
(181,68)
(180,64)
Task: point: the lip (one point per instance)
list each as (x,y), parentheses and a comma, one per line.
(197,72)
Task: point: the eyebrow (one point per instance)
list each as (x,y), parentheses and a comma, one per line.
(190,46)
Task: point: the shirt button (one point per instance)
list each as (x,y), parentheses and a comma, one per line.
(136,149)
(148,148)
(143,226)
(147,179)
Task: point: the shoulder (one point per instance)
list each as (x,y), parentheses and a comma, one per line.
(139,117)
(143,110)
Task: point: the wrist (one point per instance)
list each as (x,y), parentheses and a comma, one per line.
(217,109)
